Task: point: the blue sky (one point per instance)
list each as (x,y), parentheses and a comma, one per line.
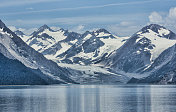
(121,17)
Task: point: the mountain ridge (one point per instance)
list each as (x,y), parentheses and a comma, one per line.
(29,57)
(133,57)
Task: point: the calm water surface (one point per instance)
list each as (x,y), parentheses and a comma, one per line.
(88,98)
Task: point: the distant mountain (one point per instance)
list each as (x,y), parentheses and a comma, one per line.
(50,42)
(141,50)
(148,56)
(91,47)
(18,52)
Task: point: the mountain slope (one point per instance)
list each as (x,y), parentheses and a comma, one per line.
(41,69)
(100,57)
(91,47)
(13,72)
(50,42)
(163,69)
(19,50)
(65,47)
(70,47)
(140,51)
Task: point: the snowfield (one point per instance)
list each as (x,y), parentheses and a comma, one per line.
(160,44)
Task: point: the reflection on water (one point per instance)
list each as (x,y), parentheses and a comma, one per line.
(88,98)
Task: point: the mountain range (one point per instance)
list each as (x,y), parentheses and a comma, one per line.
(54,57)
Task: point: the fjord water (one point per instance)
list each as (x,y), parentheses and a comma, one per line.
(88,98)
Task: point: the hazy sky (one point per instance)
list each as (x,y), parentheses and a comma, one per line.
(121,17)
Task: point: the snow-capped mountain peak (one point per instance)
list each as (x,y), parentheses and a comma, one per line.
(102,30)
(159,30)
(156,39)
(142,49)
(153,27)
(42,28)
(5,30)
(101,33)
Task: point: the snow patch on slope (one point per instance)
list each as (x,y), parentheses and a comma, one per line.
(110,45)
(163,31)
(102,34)
(13,50)
(41,43)
(65,46)
(160,44)
(58,35)
(5,33)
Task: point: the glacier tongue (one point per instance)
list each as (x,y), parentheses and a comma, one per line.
(94,74)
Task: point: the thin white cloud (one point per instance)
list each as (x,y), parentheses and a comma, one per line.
(79,29)
(172,13)
(30,8)
(101,19)
(124,28)
(155,17)
(55,28)
(84,7)
(8,3)
(29,31)
(126,23)
(80,24)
